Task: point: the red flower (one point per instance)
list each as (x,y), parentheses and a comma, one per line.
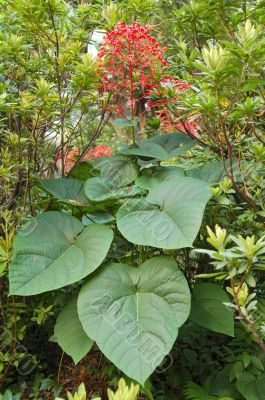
(131,62)
(71,156)
(98,151)
(132,66)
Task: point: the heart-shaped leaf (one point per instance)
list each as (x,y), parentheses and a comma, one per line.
(147,150)
(55,250)
(134,314)
(84,171)
(211,172)
(67,190)
(97,218)
(250,387)
(158,176)
(175,143)
(70,334)
(101,189)
(169,218)
(208,308)
(119,171)
(162,147)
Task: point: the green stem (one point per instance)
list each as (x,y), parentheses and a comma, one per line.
(133,135)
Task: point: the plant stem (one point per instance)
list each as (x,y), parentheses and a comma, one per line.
(133,135)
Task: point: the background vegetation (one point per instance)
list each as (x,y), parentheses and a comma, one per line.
(54,112)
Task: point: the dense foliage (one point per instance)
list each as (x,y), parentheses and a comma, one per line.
(132,199)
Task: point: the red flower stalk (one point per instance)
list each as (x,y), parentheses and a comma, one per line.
(132,67)
(131,63)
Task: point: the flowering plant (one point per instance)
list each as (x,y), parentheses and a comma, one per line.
(71,156)
(132,68)
(98,151)
(106,202)
(131,64)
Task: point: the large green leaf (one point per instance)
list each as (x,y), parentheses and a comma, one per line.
(84,171)
(208,308)
(97,218)
(169,218)
(102,189)
(174,143)
(70,334)
(119,171)
(159,175)
(211,172)
(161,147)
(134,314)
(56,250)
(67,190)
(147,150)
(250,387)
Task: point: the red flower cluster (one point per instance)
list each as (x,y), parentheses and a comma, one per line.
(131,62)
(98,151)
(71,156)
(131,66)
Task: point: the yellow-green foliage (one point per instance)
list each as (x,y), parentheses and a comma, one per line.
(124,392)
